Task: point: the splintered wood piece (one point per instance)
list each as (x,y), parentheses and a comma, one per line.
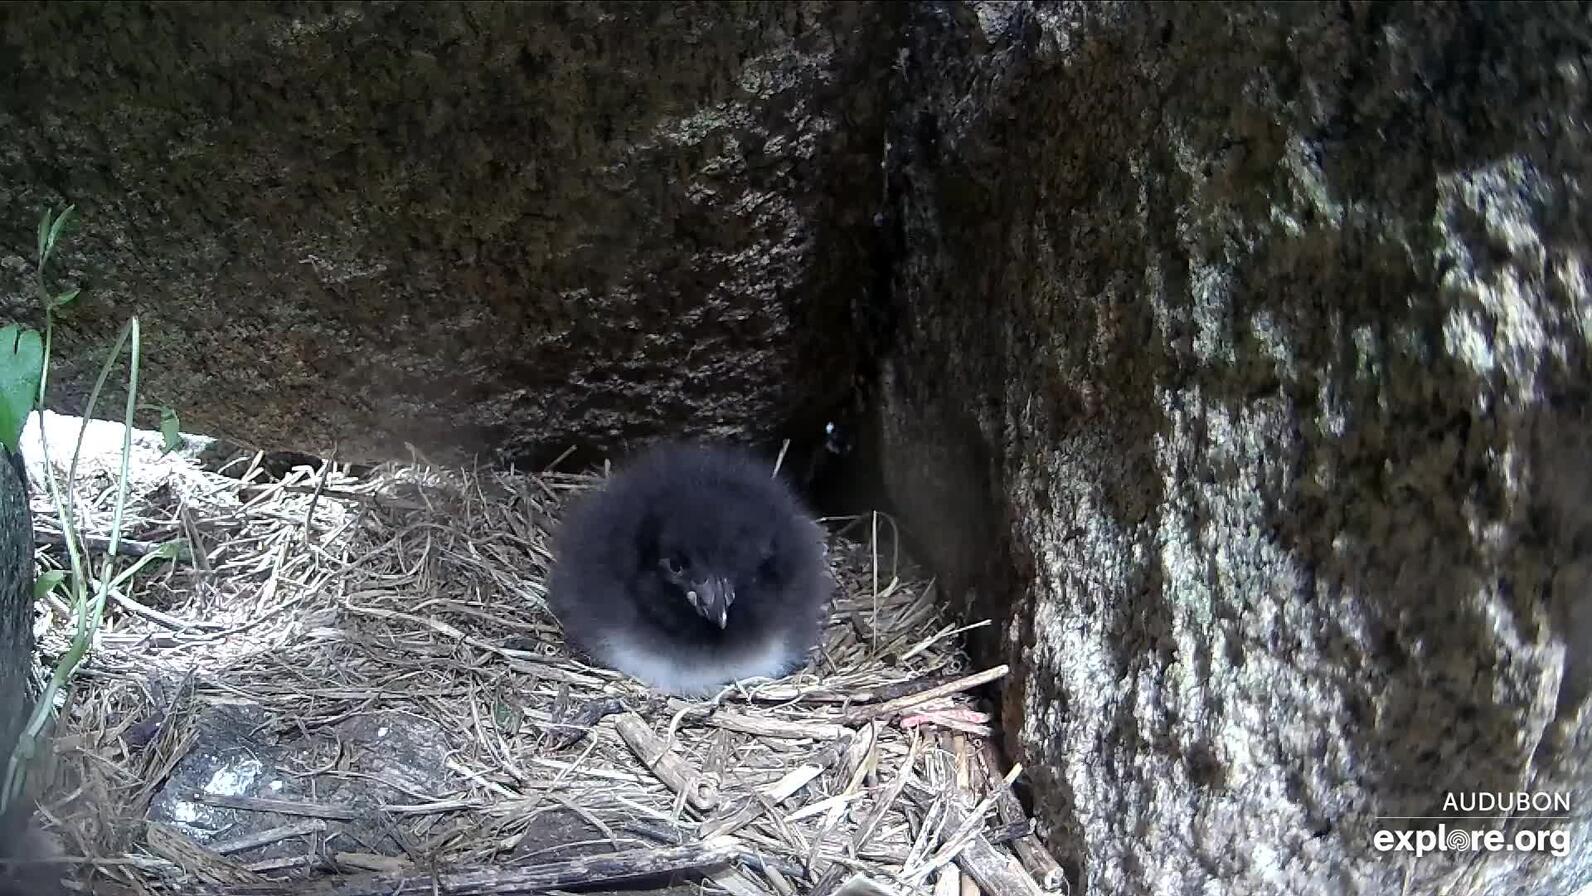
(955,686)
(964,782)
(962,719)
(281,807)
(861,759)
(205,864)
(865,831)
(364,861)
(798,778)
(758,726)
(668,766)
(1030,849)
(961,840)
(994,870)
(616,866)
(269,836)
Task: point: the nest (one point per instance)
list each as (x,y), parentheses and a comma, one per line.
(350,683)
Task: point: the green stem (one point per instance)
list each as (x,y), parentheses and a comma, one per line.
(89,611)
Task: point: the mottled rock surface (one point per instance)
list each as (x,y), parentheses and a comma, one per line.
(16,665)
(495,228)
(16,602)
(1241,363)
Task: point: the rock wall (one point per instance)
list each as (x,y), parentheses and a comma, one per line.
(16,629)
(469,227)
(1241,364)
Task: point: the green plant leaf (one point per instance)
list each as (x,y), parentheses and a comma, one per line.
(21,366)
(170,429)
(47,582)
(56,229)
(65,298)
(169,550)
(44,235)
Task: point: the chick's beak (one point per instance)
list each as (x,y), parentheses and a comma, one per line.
(712,599)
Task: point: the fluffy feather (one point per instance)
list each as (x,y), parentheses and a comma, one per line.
(23,841)
(691,568)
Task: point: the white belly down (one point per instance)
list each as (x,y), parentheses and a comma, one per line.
(694,672)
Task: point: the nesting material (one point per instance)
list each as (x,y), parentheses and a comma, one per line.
(350,684)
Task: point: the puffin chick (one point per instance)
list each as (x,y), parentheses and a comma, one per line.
(691,568)
(27,857)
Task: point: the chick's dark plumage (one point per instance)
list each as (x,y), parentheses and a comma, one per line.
(691,568)
(29,857)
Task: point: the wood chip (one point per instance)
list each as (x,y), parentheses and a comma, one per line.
(205,864)
(670,768)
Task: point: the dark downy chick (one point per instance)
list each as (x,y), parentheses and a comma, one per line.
(27,857)
(691,568)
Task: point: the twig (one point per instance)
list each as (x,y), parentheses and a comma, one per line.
(196,541)
(315,498)
(866,830)
(479,881)
(786,694)
(668,766)
(568,731)
(206,864)
(1030,849)
(124,547)
(994,870)
(780,461)
(964,782)
(782,790)
(269,836)
(756,725)
(281,807)
(1006,833)
(167,620)
(965,683)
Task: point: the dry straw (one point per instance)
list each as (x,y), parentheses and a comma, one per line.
(307,602)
